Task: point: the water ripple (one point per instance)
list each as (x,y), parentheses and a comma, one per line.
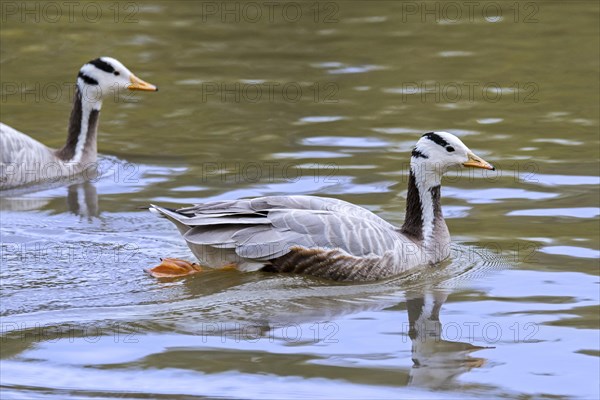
(577,212)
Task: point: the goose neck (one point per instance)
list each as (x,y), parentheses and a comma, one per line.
(423,206)
(83,126)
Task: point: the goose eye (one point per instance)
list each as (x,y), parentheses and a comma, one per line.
(449,149)
(117,73)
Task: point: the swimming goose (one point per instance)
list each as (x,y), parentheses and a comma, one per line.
(24,160)
(326,237)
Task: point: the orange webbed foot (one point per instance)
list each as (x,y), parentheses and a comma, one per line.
(173,268)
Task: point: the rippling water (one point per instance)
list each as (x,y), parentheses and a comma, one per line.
(329,104)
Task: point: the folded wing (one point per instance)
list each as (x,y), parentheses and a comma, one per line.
(269,227)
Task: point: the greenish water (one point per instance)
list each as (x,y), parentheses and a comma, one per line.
(326,102)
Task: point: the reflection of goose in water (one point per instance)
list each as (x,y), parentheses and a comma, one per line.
(437,362)
(81,199)
(174,316)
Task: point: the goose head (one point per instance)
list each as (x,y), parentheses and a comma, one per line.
(105,75)
(436,152)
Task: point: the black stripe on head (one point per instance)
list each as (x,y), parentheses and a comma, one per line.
(87,79)
(436,138)
(103,65)
(417,154)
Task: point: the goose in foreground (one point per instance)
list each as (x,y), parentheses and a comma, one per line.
(25,161)
(325,237)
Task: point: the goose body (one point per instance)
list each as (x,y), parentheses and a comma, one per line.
(26,161)
(327,237)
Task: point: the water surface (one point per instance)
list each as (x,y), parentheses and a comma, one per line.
(329,104)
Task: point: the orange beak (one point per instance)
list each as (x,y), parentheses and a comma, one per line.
(478,162)
(138,84)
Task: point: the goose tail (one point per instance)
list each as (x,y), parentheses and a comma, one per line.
(170,214)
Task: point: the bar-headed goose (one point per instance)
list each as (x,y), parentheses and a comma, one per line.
(325,237)
(24,160)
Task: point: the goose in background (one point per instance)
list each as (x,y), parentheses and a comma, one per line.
(25,161)
(325,237)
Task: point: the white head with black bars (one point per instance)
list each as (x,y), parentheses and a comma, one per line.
(97,79)
(105,76)
(436,152)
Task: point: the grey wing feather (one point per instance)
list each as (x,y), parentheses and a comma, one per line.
(330,230)
(268,227)
(22,158)
(264,204)
(18,148)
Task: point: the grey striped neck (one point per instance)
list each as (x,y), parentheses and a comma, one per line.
(423,210)
(83,126)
